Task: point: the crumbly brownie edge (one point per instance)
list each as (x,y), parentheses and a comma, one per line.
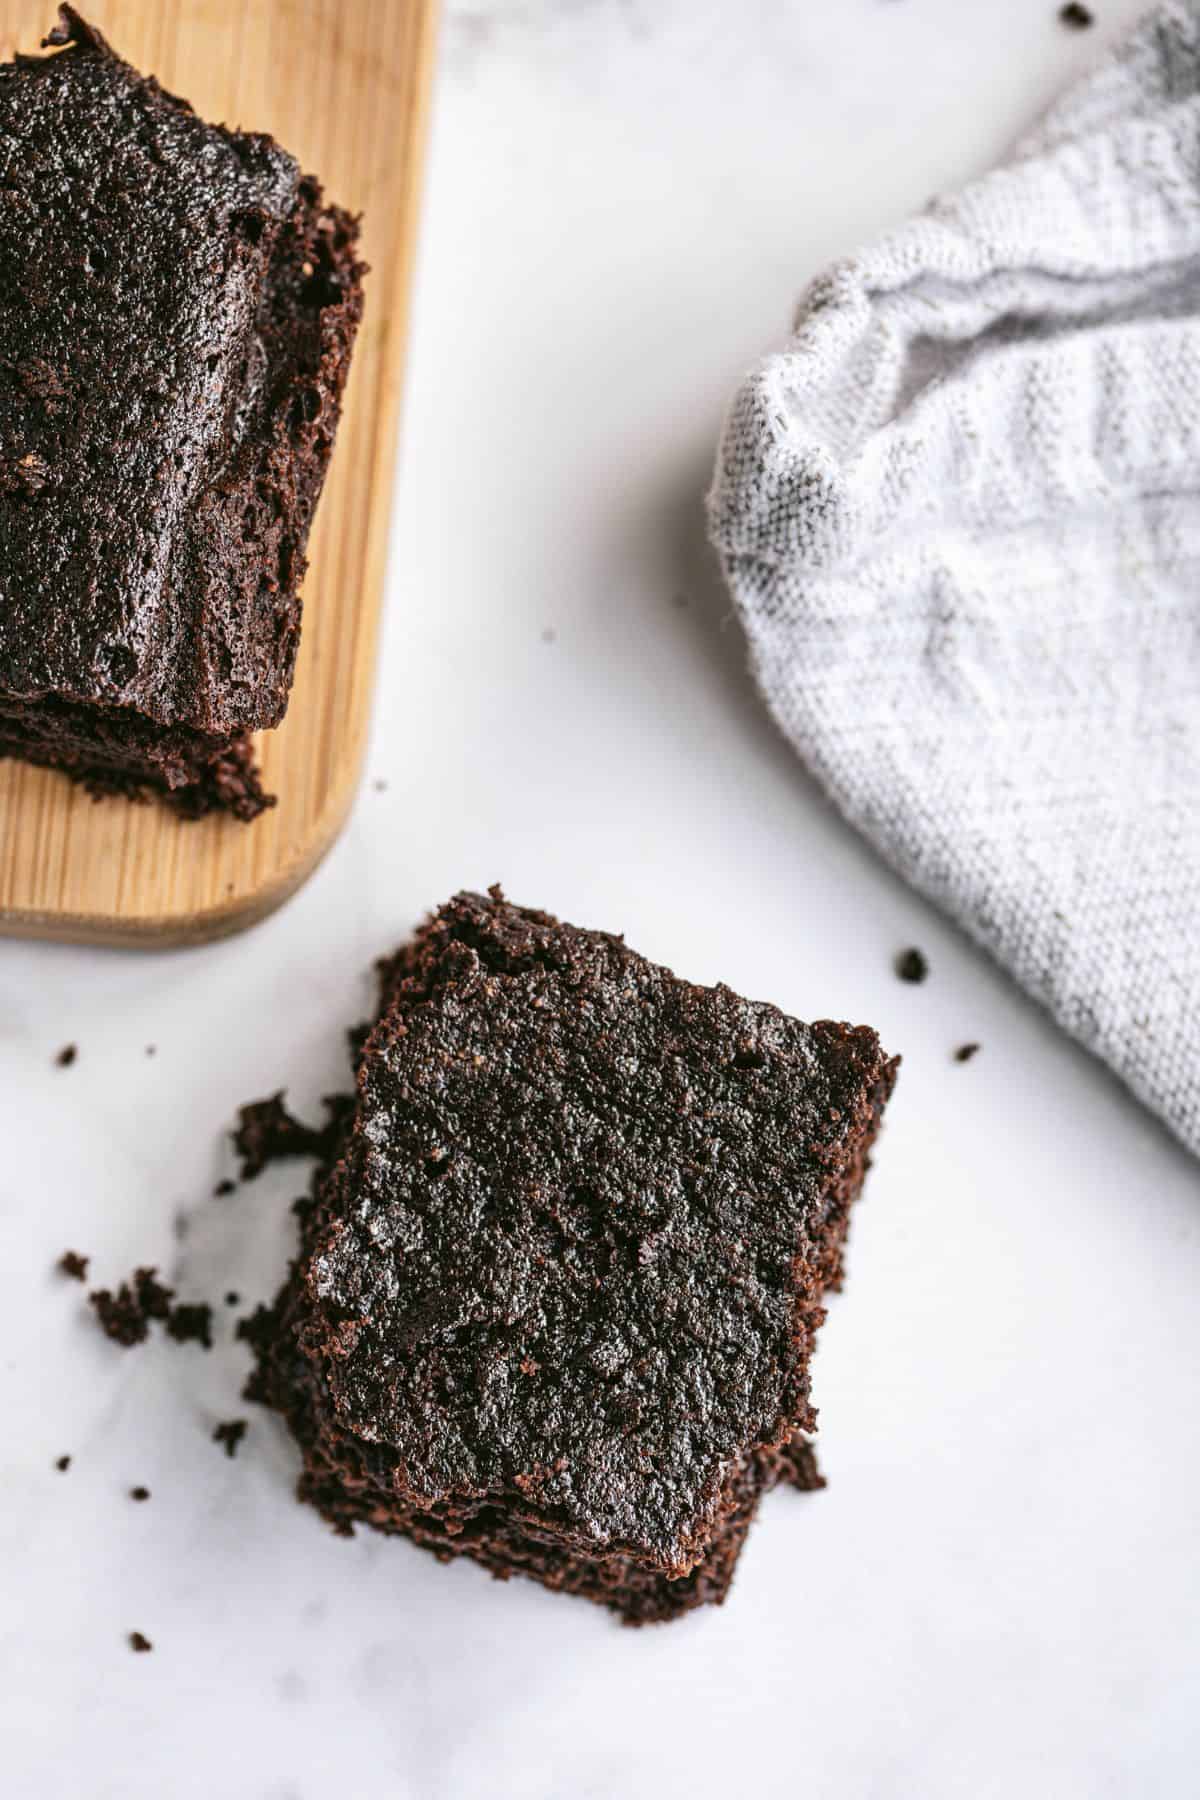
(112,753)
(258,519)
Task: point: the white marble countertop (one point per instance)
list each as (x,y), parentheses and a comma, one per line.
(999,1591)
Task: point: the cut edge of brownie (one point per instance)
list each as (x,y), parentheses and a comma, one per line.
(112,751)
(353,1482)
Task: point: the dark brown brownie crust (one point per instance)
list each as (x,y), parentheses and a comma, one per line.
(177,311)
(557,1295)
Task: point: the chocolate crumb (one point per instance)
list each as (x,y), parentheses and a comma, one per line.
(152,1296)
(191,1324)
(230,1432)
(139,1493)
(232,1297)
(266,1132)
(912,966)
(63,1464)
(125,1316)
(67,1055)
(965,1052)
(139,1641)
(1076,17)
(72,1264)
(380,787)
(224,1187)
(258,1329)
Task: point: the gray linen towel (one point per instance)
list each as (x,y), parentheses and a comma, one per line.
(960,518)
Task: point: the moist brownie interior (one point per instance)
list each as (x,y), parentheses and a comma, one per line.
(559,1283)
(178,306)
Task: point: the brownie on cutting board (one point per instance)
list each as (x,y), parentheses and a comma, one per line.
(559,1283)
(178,306)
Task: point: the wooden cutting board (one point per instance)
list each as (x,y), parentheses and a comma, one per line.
(344,85)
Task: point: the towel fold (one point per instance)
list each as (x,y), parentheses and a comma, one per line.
(960,518)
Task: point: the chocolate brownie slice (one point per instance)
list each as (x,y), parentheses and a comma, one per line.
(557,1294)
(177,311)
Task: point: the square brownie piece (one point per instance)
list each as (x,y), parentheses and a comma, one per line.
(177,311)
(557,1293)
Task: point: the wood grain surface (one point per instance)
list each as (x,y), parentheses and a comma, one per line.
(344,85)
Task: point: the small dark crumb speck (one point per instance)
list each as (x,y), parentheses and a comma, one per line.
(911,966)
(1076,17)
(63,1463)
(230,1432)
(965,1052)
(139,1493)
(151,1049)
(549,635)
(224,1187)
(380,787)
(67,1055)
(232,1297)
(191,1324)
(139,1641)
(74,1265)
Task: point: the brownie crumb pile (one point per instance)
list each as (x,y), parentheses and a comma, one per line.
(126,1315)
(562,1271)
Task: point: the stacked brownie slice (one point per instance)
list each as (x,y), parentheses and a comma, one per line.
(558,1287)
(177,311)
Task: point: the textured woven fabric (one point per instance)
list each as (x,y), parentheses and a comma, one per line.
(960,517)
